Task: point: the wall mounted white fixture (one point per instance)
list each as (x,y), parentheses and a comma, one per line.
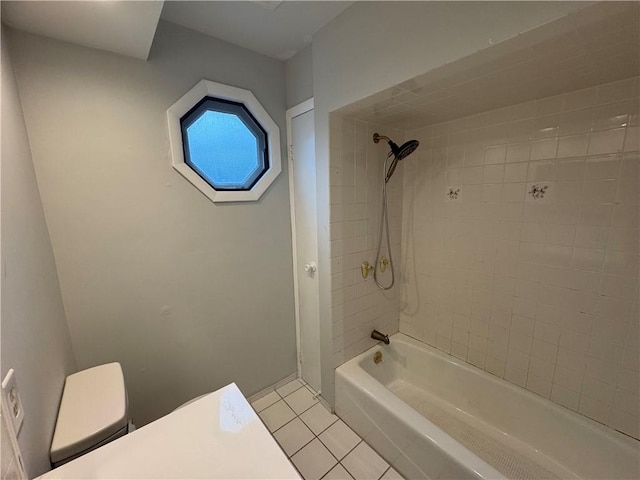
(11,398)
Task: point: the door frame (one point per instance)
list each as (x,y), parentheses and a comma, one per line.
(291,113)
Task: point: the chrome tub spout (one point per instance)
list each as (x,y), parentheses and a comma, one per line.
(376,335)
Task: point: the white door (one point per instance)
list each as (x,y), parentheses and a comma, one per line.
(302,172)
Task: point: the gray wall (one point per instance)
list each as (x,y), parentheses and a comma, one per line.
(35,339)
(356,55)
(186,294)
(299,77)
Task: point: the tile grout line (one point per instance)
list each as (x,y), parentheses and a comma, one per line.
(309,428)
(305,423)
(316,436)
(343,467)
(385,472)
(292,391)
(347,454)
(298,416)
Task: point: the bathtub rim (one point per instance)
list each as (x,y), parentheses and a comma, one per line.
(376,390)
(450,448)
(622,438)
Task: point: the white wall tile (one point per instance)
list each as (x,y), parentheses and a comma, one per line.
(355,183)
(565,396)
(539,385)
(573,146)
(632,139)
(495,154)
(493,174)
(544,148)
(553,308)
(596,215)
(573,169)
(516,172)
(603,167)
(621,263)
(594,409)
(625,423)
(591,237)
(518,152)
(608,141)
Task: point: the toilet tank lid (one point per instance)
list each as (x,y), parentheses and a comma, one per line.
(93,407)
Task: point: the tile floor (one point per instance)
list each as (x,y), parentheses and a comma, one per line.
(319,444)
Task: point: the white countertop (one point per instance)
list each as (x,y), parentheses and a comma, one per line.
(217,436)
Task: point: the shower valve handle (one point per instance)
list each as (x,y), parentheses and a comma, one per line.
(366,267)
(384,262)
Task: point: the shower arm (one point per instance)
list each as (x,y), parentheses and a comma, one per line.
(377,138)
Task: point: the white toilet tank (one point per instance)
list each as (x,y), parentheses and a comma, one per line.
(93,411)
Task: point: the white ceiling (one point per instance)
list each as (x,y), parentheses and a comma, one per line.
(595,45)
(278,29)
(278,33)
(122,27)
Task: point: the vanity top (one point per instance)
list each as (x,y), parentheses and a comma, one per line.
(217,436)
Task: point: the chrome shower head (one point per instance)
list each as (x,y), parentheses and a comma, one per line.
(399,152)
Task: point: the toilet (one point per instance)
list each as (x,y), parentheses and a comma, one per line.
(93,412)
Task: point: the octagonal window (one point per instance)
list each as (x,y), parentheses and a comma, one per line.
(224,142)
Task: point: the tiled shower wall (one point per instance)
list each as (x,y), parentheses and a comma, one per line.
(356,173)
(520,247)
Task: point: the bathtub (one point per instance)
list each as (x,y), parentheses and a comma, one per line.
(433,416)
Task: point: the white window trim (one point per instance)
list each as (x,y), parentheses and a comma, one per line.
(206,88)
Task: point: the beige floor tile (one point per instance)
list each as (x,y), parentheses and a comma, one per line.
(314,460)
(266,401)
(391,474)
(364,464)
(289,388)
(337,473)
(293,436)
(277,415)
(318,418)
(339,439)
(300,400)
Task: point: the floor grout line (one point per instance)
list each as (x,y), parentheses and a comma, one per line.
(297,416)
(343,467)
(315,436)
(339,460)
(385,472)
(302,446)
(292,391)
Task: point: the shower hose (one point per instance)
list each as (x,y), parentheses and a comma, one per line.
(384,227)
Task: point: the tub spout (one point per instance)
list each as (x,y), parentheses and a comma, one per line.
(376,335)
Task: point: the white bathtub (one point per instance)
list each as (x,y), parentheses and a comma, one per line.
(432,416)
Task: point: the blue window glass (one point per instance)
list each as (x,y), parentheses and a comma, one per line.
(224,144)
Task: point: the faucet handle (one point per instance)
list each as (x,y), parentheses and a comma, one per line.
(384,263)
(366,267)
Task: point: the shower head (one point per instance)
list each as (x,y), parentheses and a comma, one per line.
(405,149)
(399,152)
